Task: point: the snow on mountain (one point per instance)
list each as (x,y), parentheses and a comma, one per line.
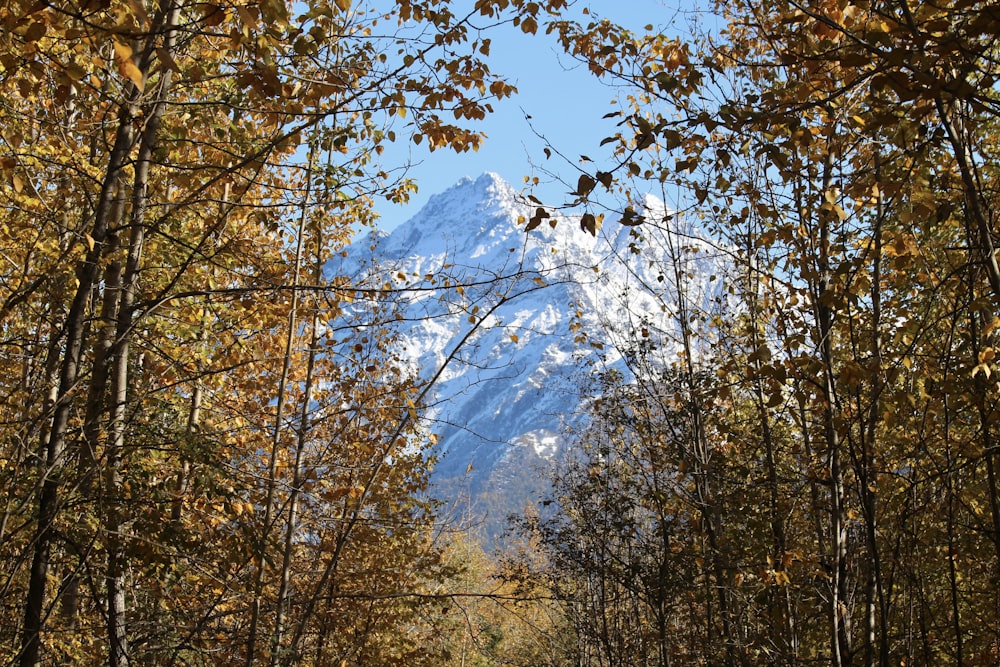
(510,324)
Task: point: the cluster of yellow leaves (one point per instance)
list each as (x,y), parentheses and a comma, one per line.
(843,154)
(170,174)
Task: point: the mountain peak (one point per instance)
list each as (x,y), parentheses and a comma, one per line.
(488,181)
(469,214)
(488,191)
(510,387)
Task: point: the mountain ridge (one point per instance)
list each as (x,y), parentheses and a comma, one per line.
(512,325)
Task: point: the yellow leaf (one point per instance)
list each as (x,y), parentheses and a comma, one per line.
(122,51)
(343,5)
(127,68)
(247,17)
(132,72)
(90,241)
(992,326)
(513,338)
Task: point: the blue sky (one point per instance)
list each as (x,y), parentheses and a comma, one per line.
(565,102)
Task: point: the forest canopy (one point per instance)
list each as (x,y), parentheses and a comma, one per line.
(816,480)
(196,468)
(199,468)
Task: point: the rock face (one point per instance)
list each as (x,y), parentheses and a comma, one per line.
(511,326)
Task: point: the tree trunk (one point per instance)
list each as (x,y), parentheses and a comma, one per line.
(302,431)
(55,446)
(116,519)
(272,472)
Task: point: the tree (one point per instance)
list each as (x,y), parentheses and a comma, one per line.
(174,177)
(843,152)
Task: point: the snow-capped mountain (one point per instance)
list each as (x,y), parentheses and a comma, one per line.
(511,325)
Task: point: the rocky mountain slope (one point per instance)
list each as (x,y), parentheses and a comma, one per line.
(512,326)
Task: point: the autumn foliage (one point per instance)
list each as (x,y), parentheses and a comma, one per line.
(210,454)
(814,481)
